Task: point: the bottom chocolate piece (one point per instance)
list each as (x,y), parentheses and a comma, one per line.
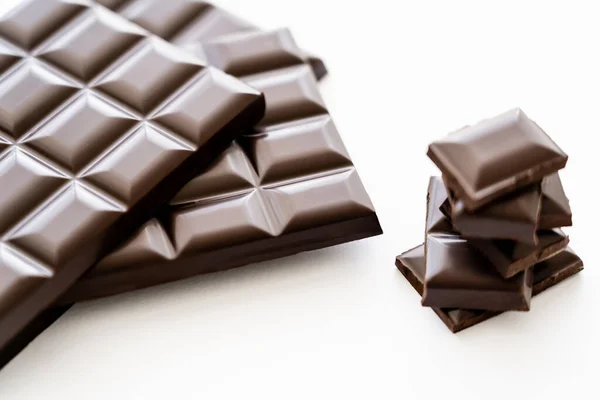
(545,275)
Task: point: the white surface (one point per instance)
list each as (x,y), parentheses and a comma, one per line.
(343,322)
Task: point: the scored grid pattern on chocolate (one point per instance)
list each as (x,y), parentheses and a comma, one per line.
(258,189)
(88,127)
(293,173)
(193,25)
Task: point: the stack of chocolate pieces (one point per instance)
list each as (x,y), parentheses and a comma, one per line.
(146,141)
(492,235)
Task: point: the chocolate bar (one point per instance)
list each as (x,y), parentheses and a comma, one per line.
(100,123)
(206,30)
(497,156)
(545,275)
(287,188)
(459,276)
(516,217)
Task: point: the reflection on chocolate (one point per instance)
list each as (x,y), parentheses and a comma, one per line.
(545,275)
(495,157)
(459,276)
(100,123)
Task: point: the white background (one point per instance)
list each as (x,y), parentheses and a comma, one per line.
(343,322)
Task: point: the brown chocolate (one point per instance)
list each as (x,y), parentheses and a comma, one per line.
(497,156)
(514,217)
(545,275)
(459,276)
(101,123)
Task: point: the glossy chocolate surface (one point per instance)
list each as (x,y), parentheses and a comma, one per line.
(287,186)
(226,41)
(515,216)
(459,276)
(495,157)
(100,123)
(545,275)
(510,257)
(556,210)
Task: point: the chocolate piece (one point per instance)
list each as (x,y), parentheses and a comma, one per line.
(556,211)
(287,188)
(510,258)
(513,217)
(497,156)
(211,33)
(101,122)
(459,276)
(545,275)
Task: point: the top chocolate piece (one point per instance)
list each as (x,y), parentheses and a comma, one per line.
(100,124)
(497,156)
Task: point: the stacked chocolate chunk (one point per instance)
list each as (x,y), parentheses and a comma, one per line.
(492,235)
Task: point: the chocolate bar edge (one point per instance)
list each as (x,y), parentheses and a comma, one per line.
(232,257)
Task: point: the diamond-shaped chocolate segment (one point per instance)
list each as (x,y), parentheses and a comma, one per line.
(32,21)
(495,157)
(81,131)
(28,95)
(93,43)
(147,77)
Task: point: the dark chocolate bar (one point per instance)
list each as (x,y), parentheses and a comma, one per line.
(497,156)
(287,187)
(101,122)
(514,217)
(206,30)
(459,276)
(545,275)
